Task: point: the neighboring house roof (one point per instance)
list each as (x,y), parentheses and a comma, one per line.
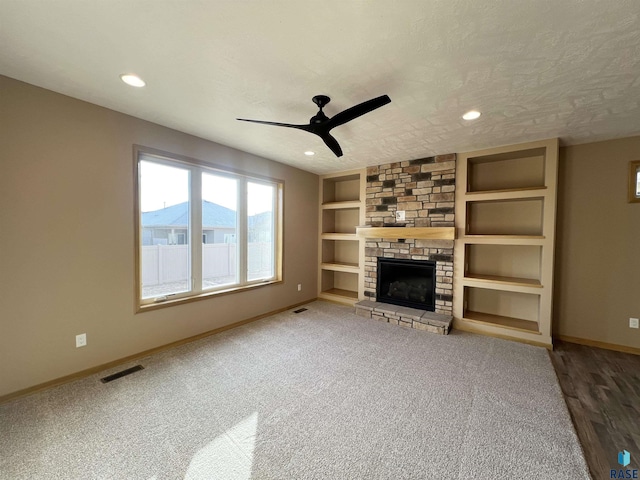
(259,220)
(213,215)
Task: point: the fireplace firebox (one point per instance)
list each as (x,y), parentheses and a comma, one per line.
(409,283)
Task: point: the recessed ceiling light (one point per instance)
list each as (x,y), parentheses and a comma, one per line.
(309,153)
(133,80)
(471,115)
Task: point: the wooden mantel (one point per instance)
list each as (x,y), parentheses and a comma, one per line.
(432,233)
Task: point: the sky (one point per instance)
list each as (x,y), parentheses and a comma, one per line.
(163,186)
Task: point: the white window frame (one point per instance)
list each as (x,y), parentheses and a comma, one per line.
(634,181)
(196,168)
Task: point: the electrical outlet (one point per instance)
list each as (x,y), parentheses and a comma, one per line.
(633,323)
(299,287)
(399,215)
(81,340)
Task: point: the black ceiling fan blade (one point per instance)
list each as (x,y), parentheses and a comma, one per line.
(332,143)
(357,111)
(277,124)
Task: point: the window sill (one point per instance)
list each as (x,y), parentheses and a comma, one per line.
(203,296)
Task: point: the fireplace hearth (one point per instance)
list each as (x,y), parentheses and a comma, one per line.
(405,282)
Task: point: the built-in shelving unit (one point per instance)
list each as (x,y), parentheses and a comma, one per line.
(505,216)
(341,251)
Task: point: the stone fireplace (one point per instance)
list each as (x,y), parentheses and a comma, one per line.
(424,190)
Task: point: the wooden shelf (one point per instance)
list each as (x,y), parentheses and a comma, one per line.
(507,216)
(339,236)
(338,292)
(520,282)
(340,188)
(505,237)
(433,233)
(340,220)
(518,169)
(339,252)
(505,265)
(506,322)
(341,267)
(506,190)
(340,205)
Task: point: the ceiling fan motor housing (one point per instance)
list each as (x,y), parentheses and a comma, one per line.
(320,117)
(321,100)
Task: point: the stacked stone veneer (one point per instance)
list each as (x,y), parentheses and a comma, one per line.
(405,317)
(424,189)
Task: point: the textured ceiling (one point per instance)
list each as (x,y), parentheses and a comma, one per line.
(536,69)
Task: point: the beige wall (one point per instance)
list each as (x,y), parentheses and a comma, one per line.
(597,281)
(66,237)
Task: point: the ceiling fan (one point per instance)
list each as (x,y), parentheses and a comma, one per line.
(321,125)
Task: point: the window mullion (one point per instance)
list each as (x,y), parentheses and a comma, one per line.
(195,233)
(242,230)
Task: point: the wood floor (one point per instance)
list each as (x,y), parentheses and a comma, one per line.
(602,391)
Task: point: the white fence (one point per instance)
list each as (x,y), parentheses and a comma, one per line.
(162,264)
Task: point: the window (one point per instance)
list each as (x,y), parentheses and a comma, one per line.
(634,181)
(202,230)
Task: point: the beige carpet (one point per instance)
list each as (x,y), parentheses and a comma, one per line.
(322,394)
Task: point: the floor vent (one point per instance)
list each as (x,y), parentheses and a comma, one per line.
(300,310)
(123,373)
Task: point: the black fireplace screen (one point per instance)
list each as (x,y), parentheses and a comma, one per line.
(410,283)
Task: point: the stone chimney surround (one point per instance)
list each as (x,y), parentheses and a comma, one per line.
(424,189)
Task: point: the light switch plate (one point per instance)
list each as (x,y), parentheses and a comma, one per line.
(399,215)
(633,323)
